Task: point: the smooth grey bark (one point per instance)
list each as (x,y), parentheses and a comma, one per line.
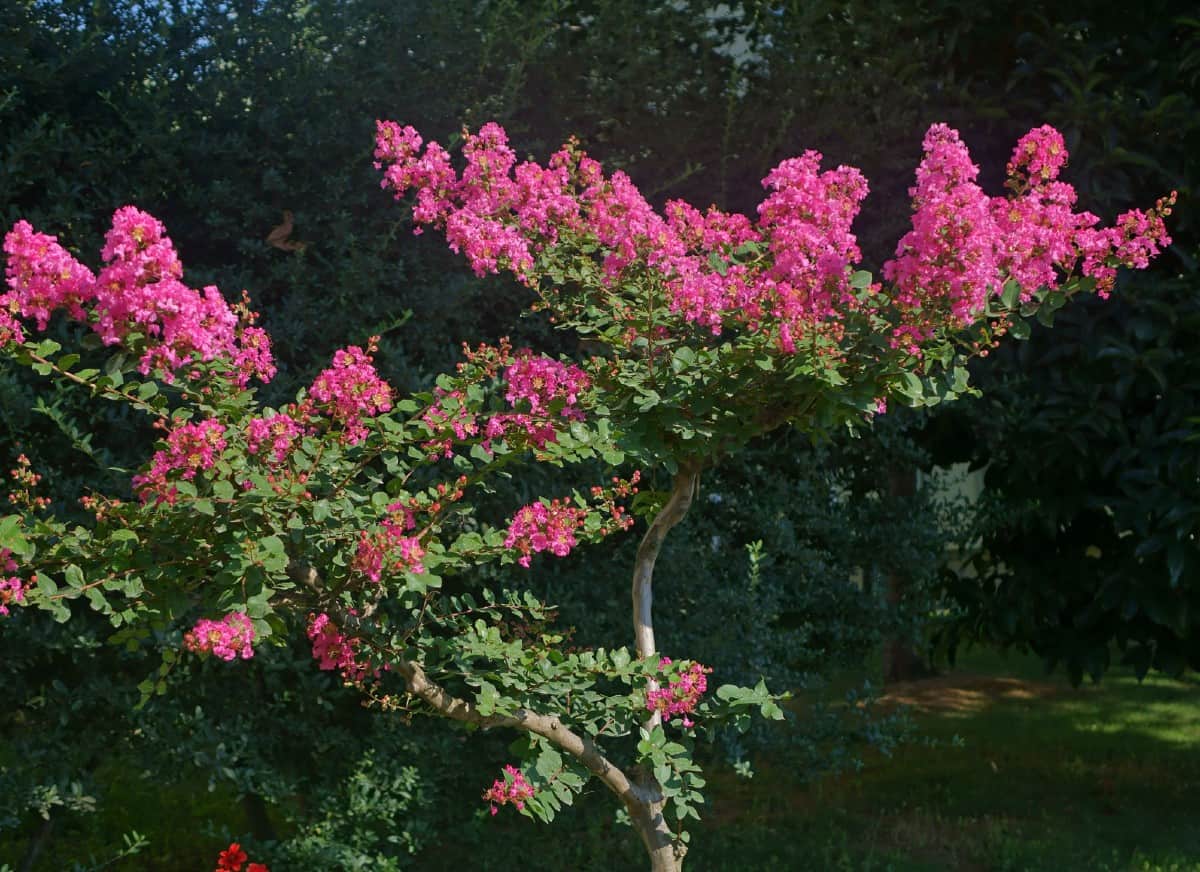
(665,854)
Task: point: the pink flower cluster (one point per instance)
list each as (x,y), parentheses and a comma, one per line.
(351,390)
(681,694)
(334,650)
(448,414)
(496,216)
(542,382)
(253,358)
(538,433)
(12,589)
(391,547)
(788,273)
(511,788)
(279,432)
(1039,155)
(543,527)
(964,245)
(138,291)
(228,638)
(191,448)
(43,277)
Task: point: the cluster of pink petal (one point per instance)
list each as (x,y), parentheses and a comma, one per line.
(10,328)
(191,448)
(498,214)
(351,390)
(139,290)
(253,358)
(699,293)
(543,527)
(43,277)
(448,414)
(806,220)
(542,382)
(279,431)
(681,694)
(511,788)
(334,650)
(391,548)
(538,432)
(963,247)
(950,255)
(1039,155)
(12,589)
(227,638)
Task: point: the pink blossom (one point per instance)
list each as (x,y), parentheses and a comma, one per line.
(431,174)
(253,357)
(10,328)
(138,291)
(543,527)
(42,277)
(334,650)
(793,282)
(280,431)
(1039,156)
(511,788)
(12,589)
(949,258)
(191,448)
(542,382)
(227,638)
(390,548)
(681,694)
(807,220)
(350,390)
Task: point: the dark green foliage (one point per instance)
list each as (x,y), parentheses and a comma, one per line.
(218,117)
(1089,432)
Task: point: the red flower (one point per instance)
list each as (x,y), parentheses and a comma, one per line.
(231,859)
(257,867)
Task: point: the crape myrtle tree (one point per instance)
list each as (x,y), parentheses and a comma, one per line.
(355,516)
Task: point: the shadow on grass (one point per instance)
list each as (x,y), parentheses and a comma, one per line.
(1023,773)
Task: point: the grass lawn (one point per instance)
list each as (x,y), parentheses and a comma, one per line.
(1028,773)
(1010,770)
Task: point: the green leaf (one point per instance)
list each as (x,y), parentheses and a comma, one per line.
(486,699)
(74,576)
(861,280)
(11,536)
(47,347)
(1011,295)
(548,763)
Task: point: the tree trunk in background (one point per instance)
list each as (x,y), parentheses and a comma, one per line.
(901,662)
(39,841)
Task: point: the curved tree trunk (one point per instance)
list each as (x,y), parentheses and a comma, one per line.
(665,854)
